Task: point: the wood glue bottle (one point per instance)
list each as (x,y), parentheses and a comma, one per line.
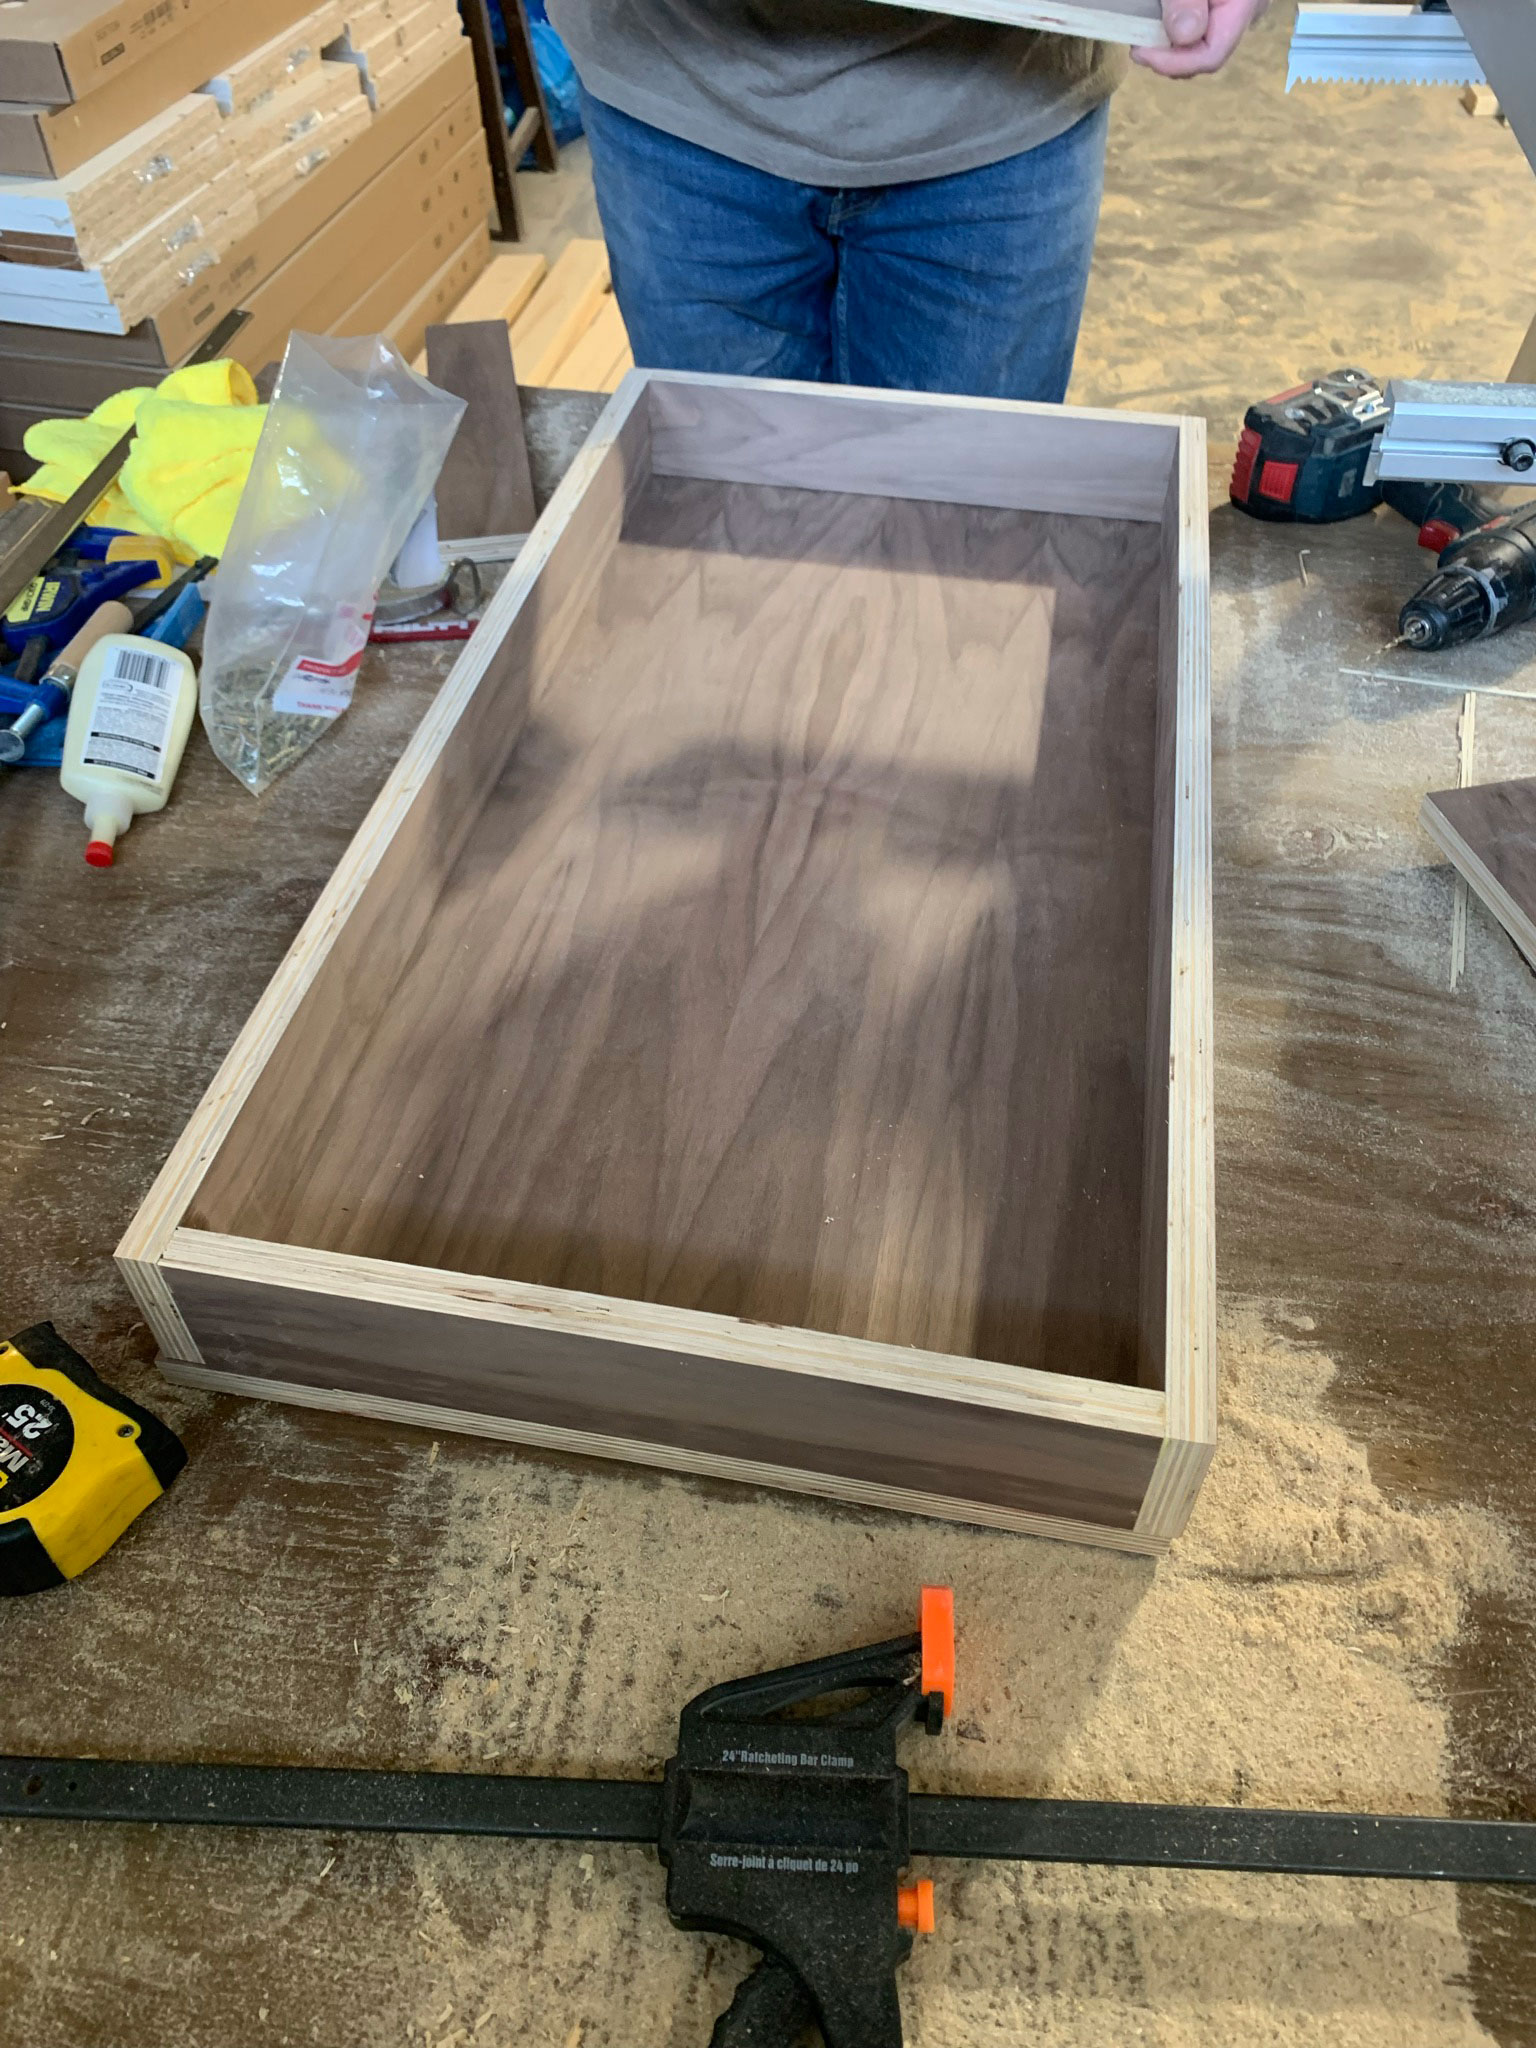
(129,717)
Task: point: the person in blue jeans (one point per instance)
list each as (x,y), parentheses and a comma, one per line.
(853,192)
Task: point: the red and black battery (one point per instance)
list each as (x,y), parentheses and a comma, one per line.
(1301,455)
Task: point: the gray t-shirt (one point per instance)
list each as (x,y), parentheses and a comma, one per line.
(835,92)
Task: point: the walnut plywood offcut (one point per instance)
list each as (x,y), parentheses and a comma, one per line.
(485,484)
(778,1015)
(1488,832)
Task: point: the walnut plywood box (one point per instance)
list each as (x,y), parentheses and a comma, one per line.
(763,1028)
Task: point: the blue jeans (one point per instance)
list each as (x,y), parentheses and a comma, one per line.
(972,283)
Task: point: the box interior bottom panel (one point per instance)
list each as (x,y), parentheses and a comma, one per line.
(796,967)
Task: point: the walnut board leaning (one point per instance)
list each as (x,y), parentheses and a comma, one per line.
(763,1026)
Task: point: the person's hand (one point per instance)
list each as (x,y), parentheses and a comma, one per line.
(1202,35)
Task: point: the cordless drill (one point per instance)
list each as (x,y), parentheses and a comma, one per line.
(1484,582)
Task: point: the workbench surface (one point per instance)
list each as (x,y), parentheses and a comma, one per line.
(1377,1172)
(318,1589)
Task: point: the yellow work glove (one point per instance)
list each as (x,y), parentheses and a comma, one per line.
(155,492)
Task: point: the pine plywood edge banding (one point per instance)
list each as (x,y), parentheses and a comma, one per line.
(720,940)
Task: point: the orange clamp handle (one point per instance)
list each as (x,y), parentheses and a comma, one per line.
(914,1906)
(936,1622)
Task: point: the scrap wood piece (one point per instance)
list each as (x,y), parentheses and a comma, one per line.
(1488,833)
(486,485)
(561,311)
(501,291)
(1139,22)
(597,351)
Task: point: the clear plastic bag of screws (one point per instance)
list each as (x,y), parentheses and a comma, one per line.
(351,449)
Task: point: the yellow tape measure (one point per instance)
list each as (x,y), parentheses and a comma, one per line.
(78,1462)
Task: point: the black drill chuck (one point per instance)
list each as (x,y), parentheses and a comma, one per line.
(1485,582)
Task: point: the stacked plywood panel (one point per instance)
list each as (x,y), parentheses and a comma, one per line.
(319,170)
(565,322)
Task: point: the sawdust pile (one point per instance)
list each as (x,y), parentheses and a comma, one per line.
(1277,1657)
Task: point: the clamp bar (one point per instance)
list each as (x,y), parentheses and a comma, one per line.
(1225,1838)
(623,1810)
(367,1802)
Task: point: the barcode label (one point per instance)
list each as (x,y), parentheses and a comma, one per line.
(127,664)
(135,709)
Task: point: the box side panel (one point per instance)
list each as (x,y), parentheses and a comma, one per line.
(1178,1252)
(382,892)
(1018,458)
(656,1402)
(583,1444)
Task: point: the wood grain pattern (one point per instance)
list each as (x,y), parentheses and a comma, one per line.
(961,451)
(587,365)
(485,485)
(704,1405)
(409,1414)
(1489,834)
(1139,22)
(418,821)
(560,311)
(807,1354)
(796,968)
(502,289)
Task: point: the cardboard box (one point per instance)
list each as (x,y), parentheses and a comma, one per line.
(59,386)
(459,203)
(55,51)
(250,82)
(114,295)
(275,177)
(423,200)
(287,115)
(438,116)
(438,297)
(14,422)
(104,202)
(39,142)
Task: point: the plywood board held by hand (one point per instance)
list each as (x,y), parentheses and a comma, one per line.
(1138,22)
(763,1028)
(560,311)
(485,485)
(1488,833)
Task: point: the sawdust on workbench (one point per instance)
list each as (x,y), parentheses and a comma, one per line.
(1279,1656)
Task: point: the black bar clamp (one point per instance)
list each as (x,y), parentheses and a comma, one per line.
(785,1824)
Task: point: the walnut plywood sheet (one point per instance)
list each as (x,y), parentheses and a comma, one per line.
(1488,833)
(764,1027)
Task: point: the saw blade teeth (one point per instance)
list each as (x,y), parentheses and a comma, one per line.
(1354,45)
(1382,76)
